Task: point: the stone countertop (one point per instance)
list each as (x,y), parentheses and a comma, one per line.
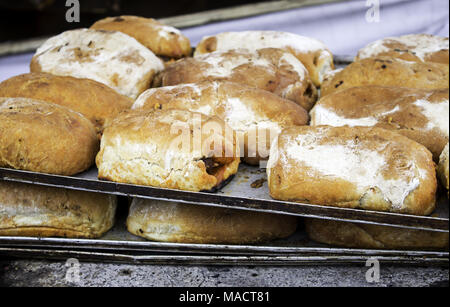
(44,273)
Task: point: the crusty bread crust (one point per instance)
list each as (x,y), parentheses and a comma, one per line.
(147,148)
(30,210)
(443,167)
(94,100)
(257,116)
(352,235)
(421,115)
(386,71)
(361,168)
(268,69)
(183,223)
(111,58)
(43,137)
(415,47)
(161,39)
(311,52)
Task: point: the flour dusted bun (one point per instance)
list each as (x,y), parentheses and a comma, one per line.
(359,167)
(386,71)
(43,137)
(311,52)
(94,100)
(172,149)
(352,235)
(35,211)
(414,47)
(183,223)
(161,39)
(421,115)
(443,167)
(268,69)
(111,58)
(256,116)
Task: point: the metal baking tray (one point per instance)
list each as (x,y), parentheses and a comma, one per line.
(238,194)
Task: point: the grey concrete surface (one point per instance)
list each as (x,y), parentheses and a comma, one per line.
(53,274)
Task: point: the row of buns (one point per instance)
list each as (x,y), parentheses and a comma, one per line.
(259,85)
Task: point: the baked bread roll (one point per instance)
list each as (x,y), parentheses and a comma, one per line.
(421,115)
(351,235)
(163,40)
(172,149)
(34,211)
(94,100)
(414,47)
(387,71)
(268,69)
(311,52)
(443,168)
(46,138)
(360,168)
(183,223)
(256,116)
(111,58)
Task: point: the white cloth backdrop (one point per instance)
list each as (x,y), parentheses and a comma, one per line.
(342,26)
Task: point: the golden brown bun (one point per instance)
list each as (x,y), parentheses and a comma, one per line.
(34,211)
(183,223)
(421,115)
(387,71)
(112,58)
(257,116)
(268,69)
(352,235)
(311,52)
(161,39)
(168,149)
(361,168)
(415,47)
(47,138)
(443,167)
(95,101)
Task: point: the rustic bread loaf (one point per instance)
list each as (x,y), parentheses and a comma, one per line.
(163,40)
(43,137)
(359,167)
(255,115)
(421,115)
(353,235)
(35,211)
(111,58)
(94,100)
(173,149)
(183,223)
(414,47)
(268,69)
(311,52)
(387,71)
(443,168)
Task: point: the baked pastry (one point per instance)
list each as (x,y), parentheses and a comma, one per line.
(111,58)
(268,69)
(353,235)
(163,40)
(256,116)
(414,47)
(359,167)
(172,149)
(183,223)
(35,211)
(311,52)
(443,168)
(387,71)
(47,138)
(421,115)
(94,100)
